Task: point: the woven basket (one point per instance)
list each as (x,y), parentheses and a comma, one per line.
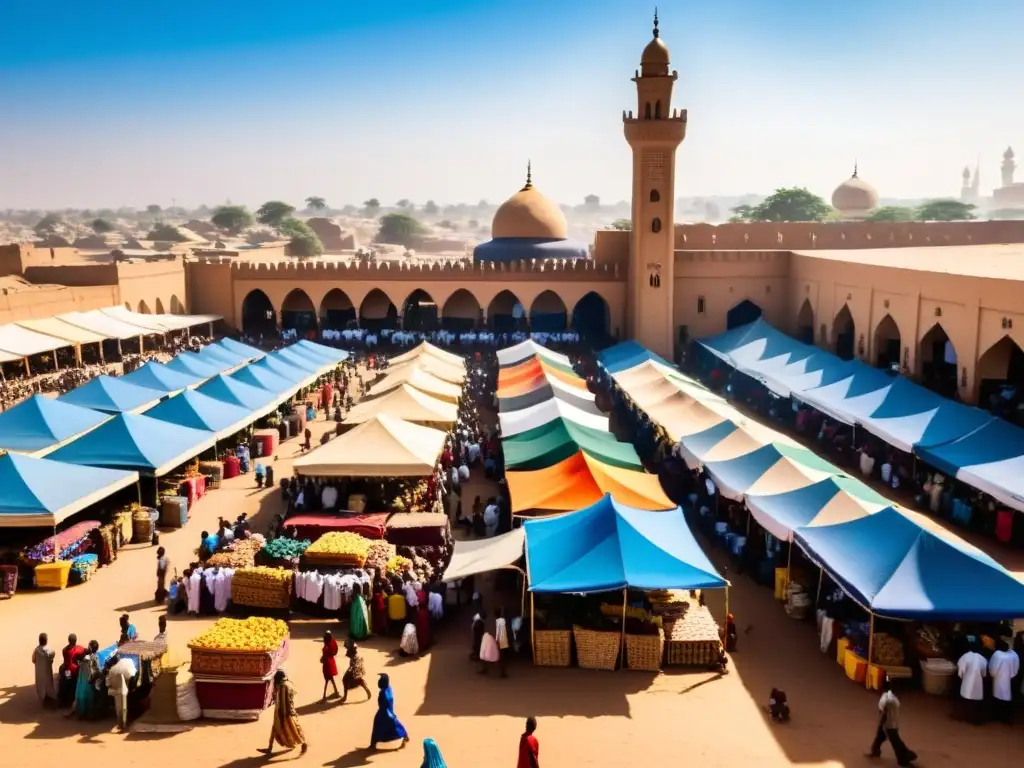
(142,530)
(698,653)
(552,648)
(644,652)
(260,598)
(236,664)
(596,650)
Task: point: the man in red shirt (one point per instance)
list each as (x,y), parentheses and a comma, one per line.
(529,748)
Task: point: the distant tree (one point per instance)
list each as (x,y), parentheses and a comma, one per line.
(711,211)
(303,241)
(405,204)
(945,209)
(232,218)
(273,212)
(101,226)
(165,233)
(316,203)
(623,225)
(592,202)
(371,207)
(892,213)
(349,210)
(399,229)
(430,208)
(483,205)
(48,224)
(153,209)
(1006,214)
(785,204)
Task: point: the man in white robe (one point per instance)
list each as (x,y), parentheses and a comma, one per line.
(1002,668)
(972,669)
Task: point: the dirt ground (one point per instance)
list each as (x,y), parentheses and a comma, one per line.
(586,718)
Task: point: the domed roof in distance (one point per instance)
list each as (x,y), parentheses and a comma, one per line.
(855,196)
(655,59)
(529,214)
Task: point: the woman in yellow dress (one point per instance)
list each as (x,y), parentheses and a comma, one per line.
(286,731)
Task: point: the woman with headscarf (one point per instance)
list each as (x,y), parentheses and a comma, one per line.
(67,675)
(286,731)
(423,632)
(330,666)
(432,755)
(85,689)
(386,726)
(358,616)
(355,675)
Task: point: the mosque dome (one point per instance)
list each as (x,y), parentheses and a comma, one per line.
(855,198)
(655,59)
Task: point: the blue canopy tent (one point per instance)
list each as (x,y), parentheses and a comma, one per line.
(264,379)
(322,363)
(191,364)
(758,345)
(897,569)
(247,351)
(862,385)
(990,459)
(627,354)
(228,390)
(110,395)
(295,360)
(817,370)
(132,441)
(41,492)
(609,546)
(40,423)
(221,356)
(330,353)
(158,376)
(300,377)
(198,411)
(768,469)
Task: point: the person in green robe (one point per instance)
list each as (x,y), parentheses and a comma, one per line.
(359,617)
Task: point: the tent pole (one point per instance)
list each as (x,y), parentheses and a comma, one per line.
(748,522)
(871,643)
(28,370)
(821,583)
(622,641)
(726,624)
(138,490)
(789,562)
(533,631)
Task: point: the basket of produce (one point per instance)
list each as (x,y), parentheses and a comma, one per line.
(644,652)
(238,663)
(282,551)
(887,651)
(378,554)
(53,575)
(596,649)
(255,634)
(938,676)
(142,526)
(694,639)
(173,511)
(552,648)
(398,565)
(83,567)
(239,554)
(262,587)
(214,472)
(419,529)
(339,548)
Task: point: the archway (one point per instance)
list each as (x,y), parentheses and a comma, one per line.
(461,312)
(337,310)
(143,308)
(377,312)
(505,313)
(160,307)
(888,344)
(419,312)
(177,308)
(298,312)
(258,316)
(805,323)
(1001,380)
(548,313)
(743,313)
(843,334)
(591,318)
(937,359)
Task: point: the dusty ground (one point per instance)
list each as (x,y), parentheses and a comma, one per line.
(586,718)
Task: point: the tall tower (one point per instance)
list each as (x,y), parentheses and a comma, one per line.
(1008,167)
(653,135)
(965,188)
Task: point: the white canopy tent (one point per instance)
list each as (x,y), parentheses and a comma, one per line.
(524,350)
(528,418)
(51,326)
(104,325)
(22,342)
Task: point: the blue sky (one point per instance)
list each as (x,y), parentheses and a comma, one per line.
(117,103)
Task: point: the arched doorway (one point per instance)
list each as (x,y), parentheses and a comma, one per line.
(160,307)
(548,313)
(888,344)
(1001,380)
(505,313)
(461,312)
(937,359)
(177,308)
(337,310)
(258,316)
(743,313)
(419,312)
(143,308)
(591,318)
(376,311)
(843,334)
(805,323)
(298,312)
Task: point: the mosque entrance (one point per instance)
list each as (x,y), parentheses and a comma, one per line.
(743,313)
(419,313)
(805,323)
(336,310)
(299,314)
(548,313)
(1001,376)
(377,312)
(505,313)
(591,318)
(937,358)
(258,316)
(843,334)
(887,344)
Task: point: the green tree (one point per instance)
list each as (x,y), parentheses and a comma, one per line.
(232,218)
(165,233)
(48,224)
(1006,214)
(405,204)
(101,226)
(273,212)
(945,209)
(623,225)
(303,241)
(892,213)
(371,207)
(399,229)
(430,208)
(153,209)
(316,203)
(785,204)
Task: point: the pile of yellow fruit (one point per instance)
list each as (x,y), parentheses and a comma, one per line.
(399,565)
(255,634)
(262,577)
(339,548)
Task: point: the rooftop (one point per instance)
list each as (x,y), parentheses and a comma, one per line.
(997,262)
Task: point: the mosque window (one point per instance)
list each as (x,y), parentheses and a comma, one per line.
(655,196)
(656,225)
(647,111)
(700,305)
(657,110)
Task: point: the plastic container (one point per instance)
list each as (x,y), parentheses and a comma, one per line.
(53,575)
(781,583)
(856,667)
(842,644)
(938,676)
(174,511)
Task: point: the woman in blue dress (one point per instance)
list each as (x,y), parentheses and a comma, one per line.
(432,755)
(386,726)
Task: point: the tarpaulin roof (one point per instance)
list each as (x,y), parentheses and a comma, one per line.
(245,350)
(476,556)
(644,372)
(422,380)
(426,348)
(106,393)
(43,422)
(132,441)
(229,390)
(290,357)
(827,502)
(450,372)
(609,545)
(834,399)
(53,326)
(264,379)
(293,373)
(163,322)
(557,440)
(521,377)
(817,370)
(990,459)
(190,363)
(198,411)
(524,350)
(148,323)
(221,356)
(900,570)
(406,403)
(383,446)
(103,325)
(23,342)
(755,342)
(764,470)
(41,492)
(627,354)
(322,363)
(520,421)
(581,480)
(547,389)
(158,376)
(330,353)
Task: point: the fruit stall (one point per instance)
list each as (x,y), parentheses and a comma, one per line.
(262,587)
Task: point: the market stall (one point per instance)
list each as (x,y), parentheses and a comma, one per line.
(112,395)
(405,403)
(419,379)
(157,376)
(515,422)
(196,410)
(426,348)
(380,446)
(557,440)
(525,350)
(42,424)
(452,373)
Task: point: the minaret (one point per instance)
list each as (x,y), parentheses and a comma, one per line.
(1008,167)
(654,134)
(965,186)
(976,182)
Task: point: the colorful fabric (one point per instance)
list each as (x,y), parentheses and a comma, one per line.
(359,620)
(287,732)
(386,725)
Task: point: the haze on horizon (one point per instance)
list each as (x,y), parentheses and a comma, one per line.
(125,104)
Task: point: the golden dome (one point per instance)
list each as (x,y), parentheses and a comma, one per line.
(855,197)
(529,214)
(655,59)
